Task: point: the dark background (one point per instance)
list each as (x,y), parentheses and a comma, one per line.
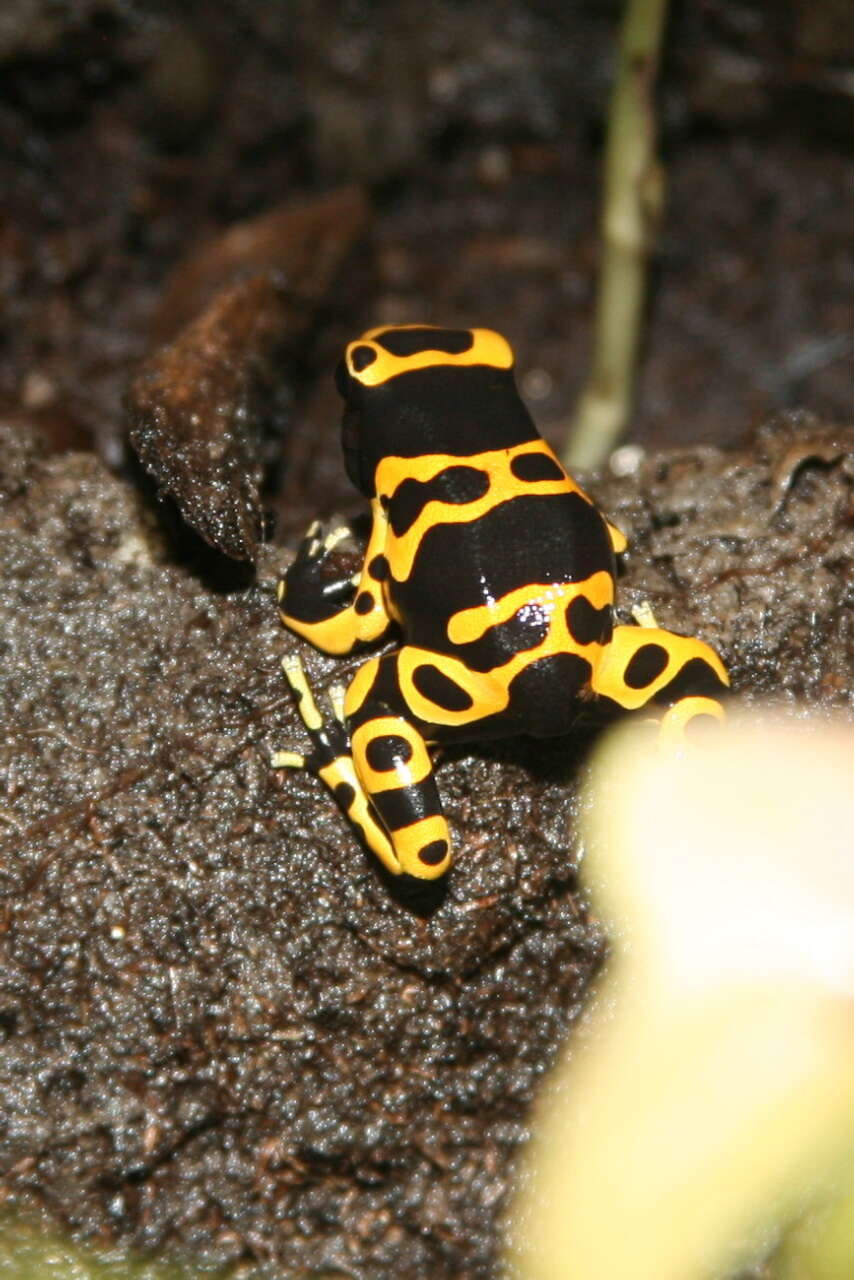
(131,131)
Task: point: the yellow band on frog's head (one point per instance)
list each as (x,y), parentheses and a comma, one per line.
(387,351)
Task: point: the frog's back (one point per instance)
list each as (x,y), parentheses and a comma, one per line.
(479,561)
(488,537)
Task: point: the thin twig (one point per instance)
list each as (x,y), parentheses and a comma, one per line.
(631,210)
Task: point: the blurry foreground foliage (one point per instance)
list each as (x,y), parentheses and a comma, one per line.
(709,1097)
(821,1246)
(29,1252)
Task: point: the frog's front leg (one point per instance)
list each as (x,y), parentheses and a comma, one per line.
(676,678)
(336,613)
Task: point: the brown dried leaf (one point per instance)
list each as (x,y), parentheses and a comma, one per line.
(197,405)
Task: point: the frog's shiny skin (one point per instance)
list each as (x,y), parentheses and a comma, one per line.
(498,571)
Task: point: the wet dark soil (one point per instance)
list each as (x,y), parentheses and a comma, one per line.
(223,1030)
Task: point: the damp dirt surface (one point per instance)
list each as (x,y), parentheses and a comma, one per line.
(224,1032)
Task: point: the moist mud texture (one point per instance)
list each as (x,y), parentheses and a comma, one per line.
(224,1032)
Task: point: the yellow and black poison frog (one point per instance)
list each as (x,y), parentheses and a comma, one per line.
(498,571)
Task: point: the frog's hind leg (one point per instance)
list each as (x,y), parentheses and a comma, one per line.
(332,762)
(393,766)
(675,678)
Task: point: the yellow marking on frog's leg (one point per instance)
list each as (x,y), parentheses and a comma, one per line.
(342,780)
(394,767)
(298,680)
(363,620)
(424,848)
(641,662)
(400,749)
(619,541)
(332,762)
(643,614)
(675,678)
(676,719)
(335,693)
(442,690)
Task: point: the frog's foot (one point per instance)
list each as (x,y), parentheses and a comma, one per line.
(318,542)
(317,585)
(643,614)
(674,679)
(336,700)
(288,760)
(329,739)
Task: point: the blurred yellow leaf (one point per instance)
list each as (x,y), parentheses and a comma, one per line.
(713,1079)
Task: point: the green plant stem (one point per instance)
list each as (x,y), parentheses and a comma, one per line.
(631,211)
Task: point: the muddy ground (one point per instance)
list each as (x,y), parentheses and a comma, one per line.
(224,1033)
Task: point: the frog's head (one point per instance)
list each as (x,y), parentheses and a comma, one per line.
(390,351)
(411,390)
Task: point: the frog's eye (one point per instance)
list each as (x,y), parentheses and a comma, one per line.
(358,356)
(361,355)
